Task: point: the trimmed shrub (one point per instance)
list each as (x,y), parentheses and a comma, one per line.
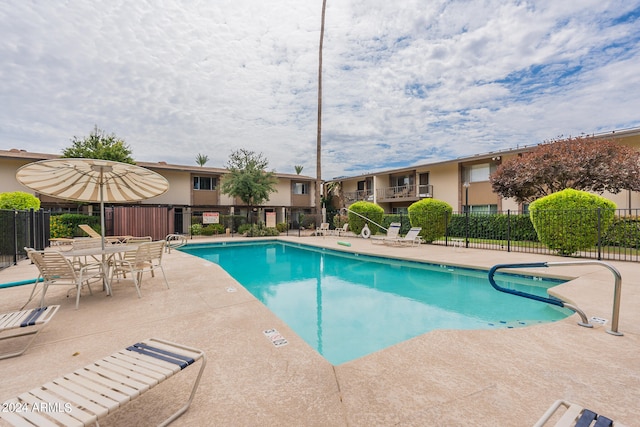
(568,221)
(432,215)
(19,200)
(282,227)
(369,210)
(195,229)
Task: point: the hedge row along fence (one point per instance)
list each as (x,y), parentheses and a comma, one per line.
(514,232)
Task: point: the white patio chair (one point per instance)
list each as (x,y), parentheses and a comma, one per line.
(56,269)
(392,233)
(146,258)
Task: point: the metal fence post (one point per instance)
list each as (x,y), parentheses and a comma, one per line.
(508,230)
(599,233)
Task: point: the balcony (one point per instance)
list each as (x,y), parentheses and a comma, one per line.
(404,193)
(356,196)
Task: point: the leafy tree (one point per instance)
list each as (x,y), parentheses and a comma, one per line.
(580,163)
(19,200)
(247,178)
(99,145)
(202,159)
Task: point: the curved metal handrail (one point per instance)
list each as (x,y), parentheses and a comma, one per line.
(175,241)
(556,301)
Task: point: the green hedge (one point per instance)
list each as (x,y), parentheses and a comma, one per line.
(496,226)
(623,232)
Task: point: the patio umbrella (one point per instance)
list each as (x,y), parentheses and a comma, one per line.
(92,180)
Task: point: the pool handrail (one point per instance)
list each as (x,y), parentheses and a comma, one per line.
(556,301)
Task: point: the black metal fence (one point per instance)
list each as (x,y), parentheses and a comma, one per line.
(613,239)
(19,229)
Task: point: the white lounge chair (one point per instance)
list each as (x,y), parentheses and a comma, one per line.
(23,323)
(342,231)
(412,238)
(323,230)
(575,415)
(392,233)
(88,395)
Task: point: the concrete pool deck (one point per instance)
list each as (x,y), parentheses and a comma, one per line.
(505,377)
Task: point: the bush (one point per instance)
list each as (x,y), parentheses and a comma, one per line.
(340,220)
(432,215)
(243,228)
(369,210)
(195,229)
(66,225)
(19,200)
(568,221)
(282,227)
(261,231)
(211,229)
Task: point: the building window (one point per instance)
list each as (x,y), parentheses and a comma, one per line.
(479,172)
(400,211)
(204,183)
(300,188)
(483,209)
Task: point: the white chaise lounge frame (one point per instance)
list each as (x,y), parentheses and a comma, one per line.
(87,395)
(23,323)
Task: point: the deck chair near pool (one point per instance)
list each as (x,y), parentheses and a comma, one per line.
(24,323)
(392,233)
(87,395)
(323,230)
(412,238)
(341,231)
(94,234)
(574,416)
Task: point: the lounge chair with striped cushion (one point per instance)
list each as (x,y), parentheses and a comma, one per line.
(23,323)
(574,415)
(89,394)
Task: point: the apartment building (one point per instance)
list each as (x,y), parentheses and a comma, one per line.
(463,183)
(193,191)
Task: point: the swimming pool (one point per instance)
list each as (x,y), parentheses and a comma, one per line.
(349,305)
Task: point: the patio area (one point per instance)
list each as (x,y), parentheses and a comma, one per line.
(505,377)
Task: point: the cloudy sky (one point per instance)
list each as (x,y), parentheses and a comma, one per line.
(405,82)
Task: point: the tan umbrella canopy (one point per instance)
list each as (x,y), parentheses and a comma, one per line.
(92,180)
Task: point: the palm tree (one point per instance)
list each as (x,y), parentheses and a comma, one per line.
(319,133)
(298,169)
(201,159)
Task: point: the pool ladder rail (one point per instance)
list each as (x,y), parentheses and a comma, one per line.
(174,241)
(556,301)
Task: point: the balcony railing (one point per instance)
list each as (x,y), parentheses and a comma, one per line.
(356,196)
(405,192)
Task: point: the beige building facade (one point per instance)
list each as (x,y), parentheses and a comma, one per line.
(460,182)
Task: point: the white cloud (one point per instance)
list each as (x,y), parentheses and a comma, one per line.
(403,82)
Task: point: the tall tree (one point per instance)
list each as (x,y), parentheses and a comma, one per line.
(319,130)
(202,159)
(581,163)
(248,178)
(99,145)
(298,169)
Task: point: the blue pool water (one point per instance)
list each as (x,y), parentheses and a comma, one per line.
(348,305)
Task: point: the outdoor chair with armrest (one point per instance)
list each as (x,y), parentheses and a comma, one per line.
(148,258)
